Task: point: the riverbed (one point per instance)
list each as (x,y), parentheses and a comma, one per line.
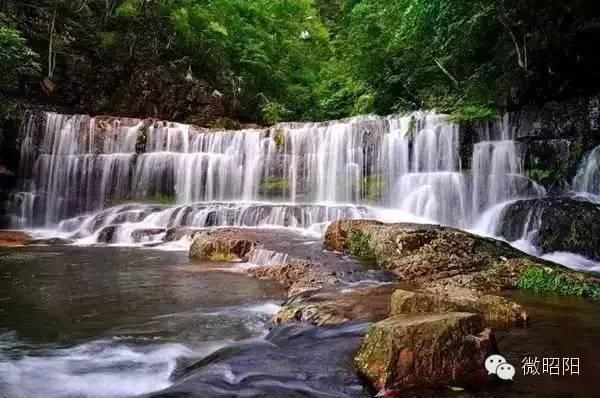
(124,322)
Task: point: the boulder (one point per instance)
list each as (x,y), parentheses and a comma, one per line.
(221,245)
(410,350)
(557,224)
(14,238)
(336,236)
(495,310)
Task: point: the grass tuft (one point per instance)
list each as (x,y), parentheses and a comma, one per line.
(540,280)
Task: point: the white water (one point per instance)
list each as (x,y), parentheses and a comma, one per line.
(586,183)
(82,174)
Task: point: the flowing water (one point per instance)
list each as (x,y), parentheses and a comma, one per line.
(82,174)
(116,322)
(586,183)
(125,322)
(121,321)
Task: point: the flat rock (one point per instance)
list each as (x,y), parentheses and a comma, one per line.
(411,350)
(495,310)
(296,261)
(339,305)
(14,238)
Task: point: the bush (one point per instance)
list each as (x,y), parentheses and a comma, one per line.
(359,244)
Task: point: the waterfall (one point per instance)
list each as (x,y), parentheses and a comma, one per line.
(586,182)
(81,175)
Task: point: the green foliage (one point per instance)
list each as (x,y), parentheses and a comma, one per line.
(265,55)
(279,139)
(16,57)
(541,280)
(373,188)
(274,186)
(109,39)
(473,113)
(164,198)
(129,8)
(222,257)
(359,244)
(279,60)
(274,112)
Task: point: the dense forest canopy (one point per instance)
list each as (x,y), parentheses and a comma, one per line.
(204,61)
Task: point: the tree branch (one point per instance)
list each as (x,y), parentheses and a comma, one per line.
(439,64)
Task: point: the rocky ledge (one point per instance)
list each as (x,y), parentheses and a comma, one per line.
(296,261)
(14,238)
(438,330)
(431,256)
(432,292)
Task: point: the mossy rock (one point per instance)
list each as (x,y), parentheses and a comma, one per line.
(432,256)
(495,310)
(416,350)
(218,246)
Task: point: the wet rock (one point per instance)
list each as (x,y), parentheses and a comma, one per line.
(141,235)
(412,350)
(337,306)
(14,238)
(431,255)
(558,224)
(51,242)
(297,275)
(174,234)
(106,234)
(336,236)
(221,245)
(495,310)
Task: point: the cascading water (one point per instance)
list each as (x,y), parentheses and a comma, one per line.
(82,174)
(587,180)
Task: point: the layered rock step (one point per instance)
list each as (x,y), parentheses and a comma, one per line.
(293,259)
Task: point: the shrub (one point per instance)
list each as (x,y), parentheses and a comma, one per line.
(359,244)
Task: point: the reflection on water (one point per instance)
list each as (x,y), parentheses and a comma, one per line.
(116,322)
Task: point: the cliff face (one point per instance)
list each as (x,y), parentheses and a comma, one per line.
(555,137)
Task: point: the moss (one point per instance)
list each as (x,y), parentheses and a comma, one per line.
(542,280)
(471,113)
(280,140)
(142,140)
(164,198)
(538,174)
(274,186)
(373,188)
(222,257)
(159,197)
(359,244)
